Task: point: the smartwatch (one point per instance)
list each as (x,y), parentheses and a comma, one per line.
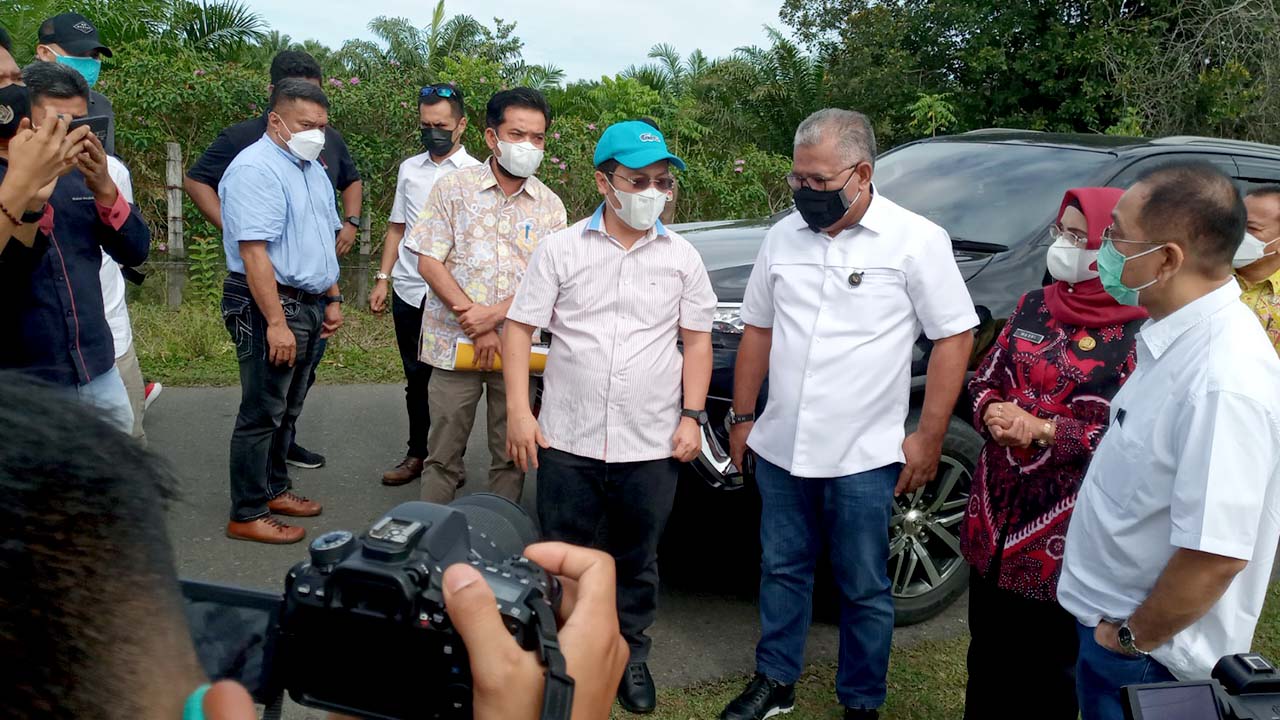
(736,419)
(331,299)
(699,415)
(354,220)
(1125,637)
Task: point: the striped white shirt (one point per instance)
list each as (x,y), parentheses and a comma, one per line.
(613,383)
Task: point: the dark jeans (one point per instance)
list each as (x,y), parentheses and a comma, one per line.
(1022,654)
(271,396)
(850,515)
(1100,673)
(621,508)
(322,344)
(417,374)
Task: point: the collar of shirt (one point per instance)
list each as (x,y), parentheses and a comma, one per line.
(300,164)
(1157,337)
(596,225)
(528,187)
(458,159)
(876,219)
(1273,281)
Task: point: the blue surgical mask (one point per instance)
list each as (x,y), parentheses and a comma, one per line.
(86,66)
(194,707)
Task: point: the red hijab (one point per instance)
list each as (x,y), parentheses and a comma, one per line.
(1087,304)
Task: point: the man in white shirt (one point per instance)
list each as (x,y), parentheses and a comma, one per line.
(444,120)
(113,302)
(838,295)
(1173,535)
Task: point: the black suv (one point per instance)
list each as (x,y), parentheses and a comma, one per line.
(996,192)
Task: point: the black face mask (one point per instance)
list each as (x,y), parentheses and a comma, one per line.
(15,104)
(438,142)
(823,208)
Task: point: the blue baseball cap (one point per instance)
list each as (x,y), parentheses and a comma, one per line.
(634,144)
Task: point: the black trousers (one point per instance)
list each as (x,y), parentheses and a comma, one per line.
(621,508)
(417,374)
(271,396)
(1022,656)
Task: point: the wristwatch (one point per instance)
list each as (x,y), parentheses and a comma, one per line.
(699,415)
(354,220)
(736,419)
(1125,637)
(381,276)
(32,216)
(331,299)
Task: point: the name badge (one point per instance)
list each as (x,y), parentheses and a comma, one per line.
(1029,336)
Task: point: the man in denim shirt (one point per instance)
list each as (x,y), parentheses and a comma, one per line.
(279,300)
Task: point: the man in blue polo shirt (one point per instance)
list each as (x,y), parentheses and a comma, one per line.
(280,299)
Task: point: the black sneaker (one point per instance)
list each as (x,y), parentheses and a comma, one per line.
(763,698)
(860,714)
(301,457)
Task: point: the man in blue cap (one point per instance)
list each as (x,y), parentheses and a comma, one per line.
(622,407)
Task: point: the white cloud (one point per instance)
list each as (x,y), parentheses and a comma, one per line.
(585,39)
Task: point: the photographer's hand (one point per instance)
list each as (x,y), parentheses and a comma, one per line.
(508,681)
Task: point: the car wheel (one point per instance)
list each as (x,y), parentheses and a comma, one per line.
(926,569)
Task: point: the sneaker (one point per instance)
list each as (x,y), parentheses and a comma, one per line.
(150,393)
(763,698)
(301,457)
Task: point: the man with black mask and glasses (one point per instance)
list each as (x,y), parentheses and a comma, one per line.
(443,119)
(839,294)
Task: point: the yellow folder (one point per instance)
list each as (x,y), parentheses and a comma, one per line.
(464,357)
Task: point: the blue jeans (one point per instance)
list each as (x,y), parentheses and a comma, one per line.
(107,393)
(851,516)
(1100,673)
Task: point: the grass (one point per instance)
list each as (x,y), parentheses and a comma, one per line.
(189,346)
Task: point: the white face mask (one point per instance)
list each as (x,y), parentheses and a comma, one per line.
(1070,264)
(641,210)
(1251,250)
(305,145)
(519,159)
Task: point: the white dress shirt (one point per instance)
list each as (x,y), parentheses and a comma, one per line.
(109,276)
(1190,461)
(614,377)
(417,176)
(845,312)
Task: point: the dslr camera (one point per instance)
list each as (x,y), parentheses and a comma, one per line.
(1242,687)
(361,628)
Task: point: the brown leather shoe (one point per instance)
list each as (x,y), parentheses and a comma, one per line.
(407,471)
(294,505)
(265,530)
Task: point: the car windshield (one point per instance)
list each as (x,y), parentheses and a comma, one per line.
(986,192)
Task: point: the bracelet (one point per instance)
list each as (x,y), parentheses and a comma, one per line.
(12,218)
(1049,431)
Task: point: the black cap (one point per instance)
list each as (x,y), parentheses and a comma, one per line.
(74,33)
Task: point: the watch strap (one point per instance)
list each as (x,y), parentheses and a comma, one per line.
(736,419)
(381,276)
(330,299)
(32,216)
(354,220)
(1127,641)
(699,415)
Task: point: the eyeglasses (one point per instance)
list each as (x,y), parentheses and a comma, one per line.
(1109,235)
(442,91)
(815,182)
(642,183)
(1057,233)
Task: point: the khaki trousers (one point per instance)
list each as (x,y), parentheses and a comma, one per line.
(452,399)
(131,373)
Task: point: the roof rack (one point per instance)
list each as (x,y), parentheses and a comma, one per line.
(992,131)
(1220,142)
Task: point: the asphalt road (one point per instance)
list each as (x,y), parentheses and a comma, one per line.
(702,634)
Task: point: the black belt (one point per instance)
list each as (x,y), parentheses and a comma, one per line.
(284,290)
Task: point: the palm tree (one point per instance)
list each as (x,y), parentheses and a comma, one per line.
(538,77)
(671,75)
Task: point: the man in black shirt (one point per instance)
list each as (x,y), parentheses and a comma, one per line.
(202,181)
(70,39)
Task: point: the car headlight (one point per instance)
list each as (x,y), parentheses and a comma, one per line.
(728,319)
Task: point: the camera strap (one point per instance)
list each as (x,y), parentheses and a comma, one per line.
(557,696)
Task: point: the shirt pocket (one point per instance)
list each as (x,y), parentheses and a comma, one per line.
(868,295)
(1123,461)
(656,298)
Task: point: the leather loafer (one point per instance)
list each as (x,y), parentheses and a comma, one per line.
(294,505)
(407,471)
(637,693)
(265,530)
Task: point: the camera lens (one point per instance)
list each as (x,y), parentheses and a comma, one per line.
(499,527)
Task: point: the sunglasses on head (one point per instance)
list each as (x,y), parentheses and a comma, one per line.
(444,91)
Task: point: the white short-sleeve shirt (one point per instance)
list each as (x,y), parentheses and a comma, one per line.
(417,176)
(113,290)
(845,313)
(1191,460)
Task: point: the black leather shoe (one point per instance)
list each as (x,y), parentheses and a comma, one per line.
(636,693)
(763,698)
(859,714)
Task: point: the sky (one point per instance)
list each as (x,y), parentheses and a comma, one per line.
(585,39)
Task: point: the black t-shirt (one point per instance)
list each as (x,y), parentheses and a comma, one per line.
(335,158)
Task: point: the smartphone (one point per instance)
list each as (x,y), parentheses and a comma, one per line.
(236,633)
(98,125)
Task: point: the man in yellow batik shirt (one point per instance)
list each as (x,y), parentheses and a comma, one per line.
(473,241)
(1258,262)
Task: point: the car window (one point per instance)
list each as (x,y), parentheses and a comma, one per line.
(1002,193)
(1131,173)
(1255,172)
